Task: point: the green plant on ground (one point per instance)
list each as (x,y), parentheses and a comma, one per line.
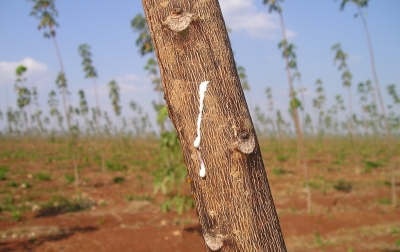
(370,165)
(282,158)
(318,238)
(16,215)
(171,174)
(12,184)
(43,176)
(59,204)
(3,171)
(279,171)
(395,231)
(114,166)
(69,178)
(384,201)
(118,180)
(343,185)
(134,197)
(397,243)
(319,183)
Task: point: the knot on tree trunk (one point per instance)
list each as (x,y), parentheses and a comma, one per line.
(214,241)
(179,21)
(244,141)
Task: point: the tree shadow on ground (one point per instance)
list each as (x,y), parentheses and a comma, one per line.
(193,229)
(33,243)
(63,206)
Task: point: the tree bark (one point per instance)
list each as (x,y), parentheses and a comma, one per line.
(233,200)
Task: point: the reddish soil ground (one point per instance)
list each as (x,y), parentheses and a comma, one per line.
(358,220)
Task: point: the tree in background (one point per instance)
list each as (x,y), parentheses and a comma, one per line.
(114,96)
(341,58)
(24,95)
(291,64)
(360,4)
(46,12)
(91,73)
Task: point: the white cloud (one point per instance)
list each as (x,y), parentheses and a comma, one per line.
(243,15)
(37,73)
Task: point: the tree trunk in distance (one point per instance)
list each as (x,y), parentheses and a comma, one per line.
(233,200)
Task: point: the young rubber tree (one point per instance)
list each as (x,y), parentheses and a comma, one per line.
(114,95)
(360,4)
(91,73)
(341,59)
(206,104)
(24,95)
(46,12)
(291,65)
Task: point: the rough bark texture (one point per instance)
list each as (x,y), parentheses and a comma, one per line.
(233,201)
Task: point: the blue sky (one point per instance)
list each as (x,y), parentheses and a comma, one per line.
(313,26)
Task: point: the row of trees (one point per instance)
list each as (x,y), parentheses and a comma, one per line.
(28,118)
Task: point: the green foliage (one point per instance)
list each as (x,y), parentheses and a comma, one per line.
(134,197)
(243,78)
(181,204)
(69,178)
(118,180)
(43,176)
(273,5)
(24,94)
(359,3)
(370,165)
(341,57)
(395,231)
(46,12)
(61,81)
(115,166)
(12,184)
(3,171)
(114,96)
(384,201)
(152,68)
(318,238)
(282,158)
(171,174)
(392,92)
(143,41)
(279,171)
(16,215)
(343,185)
(88,68)
(60,204)
(82,103)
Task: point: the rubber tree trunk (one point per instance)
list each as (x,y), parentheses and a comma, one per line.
(231,194)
